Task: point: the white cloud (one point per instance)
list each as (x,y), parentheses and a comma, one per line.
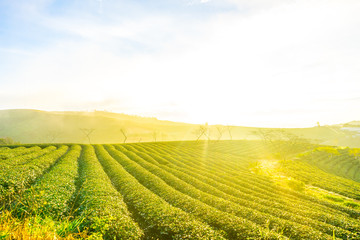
(15,51)
(271,67)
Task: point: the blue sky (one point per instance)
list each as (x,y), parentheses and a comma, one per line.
(255,63)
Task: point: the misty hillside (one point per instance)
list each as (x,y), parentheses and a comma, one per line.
(34,126)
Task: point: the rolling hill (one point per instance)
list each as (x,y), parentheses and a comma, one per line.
(34,126)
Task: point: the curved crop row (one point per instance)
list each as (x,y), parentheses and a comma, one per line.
(285,227)
(253,187)
(235,227)
(24,158)
(325,181)
(162,219)
(242,188)
(8,153)
(285,209)
(98,200)
(17,178)
(52,193)
(316,177)
(341,162)
(252,205)
(183,190)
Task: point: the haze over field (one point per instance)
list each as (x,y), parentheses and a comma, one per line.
(180,119)
(249,63)
(99,127)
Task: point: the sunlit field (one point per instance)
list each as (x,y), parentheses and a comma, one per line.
(179,119)
(178,190)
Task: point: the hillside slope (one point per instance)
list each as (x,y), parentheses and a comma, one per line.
(34,126)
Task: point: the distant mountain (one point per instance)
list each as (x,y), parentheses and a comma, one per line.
(34,126)
(352,124)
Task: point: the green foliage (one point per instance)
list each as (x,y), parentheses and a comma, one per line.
(164,220)
(36,227)
(334,198)
(100,204)
(223,203)
(243,189)
(355,152)
(175,190)
(235,227)
(51,194)
(330,150)
(67,227)
(352,204)
(343,162)
(19,156)
(6,154)
(316,177)
(15,179)
(7,141)
(296,185)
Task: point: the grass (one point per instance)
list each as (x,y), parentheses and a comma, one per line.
(35,227)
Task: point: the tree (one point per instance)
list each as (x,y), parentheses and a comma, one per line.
(87,132)
(203,130)
(267,136)
(155,135)
(282,143)
(229,128)
(123,131)
(221,130)
(51,136)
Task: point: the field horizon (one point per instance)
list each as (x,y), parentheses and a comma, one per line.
(36,126)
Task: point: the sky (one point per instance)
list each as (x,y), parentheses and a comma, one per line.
(280,63)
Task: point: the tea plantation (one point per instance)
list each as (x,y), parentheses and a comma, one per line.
(178,190)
